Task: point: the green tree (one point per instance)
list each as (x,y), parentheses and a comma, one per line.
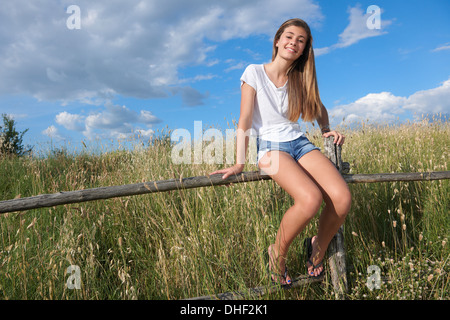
(11,141)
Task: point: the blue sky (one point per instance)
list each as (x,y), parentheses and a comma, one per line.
(138,67)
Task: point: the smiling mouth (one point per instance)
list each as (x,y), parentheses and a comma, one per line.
(291,50)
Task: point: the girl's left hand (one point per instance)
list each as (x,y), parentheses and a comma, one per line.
(338,137)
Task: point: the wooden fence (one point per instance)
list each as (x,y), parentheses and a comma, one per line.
(67,197)
(336,249)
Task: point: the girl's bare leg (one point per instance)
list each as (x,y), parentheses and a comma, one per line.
(287,173)
(337,197)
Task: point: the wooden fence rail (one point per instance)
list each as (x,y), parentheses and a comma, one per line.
(60,198)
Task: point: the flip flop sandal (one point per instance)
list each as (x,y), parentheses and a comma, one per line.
(272,273)
(283,276)
(315,267)
(308,245)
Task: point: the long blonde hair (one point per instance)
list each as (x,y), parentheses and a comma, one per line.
(303,92)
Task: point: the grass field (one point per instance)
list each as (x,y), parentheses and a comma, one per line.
(196,242)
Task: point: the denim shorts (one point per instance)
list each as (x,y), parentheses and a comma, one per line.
(297,148)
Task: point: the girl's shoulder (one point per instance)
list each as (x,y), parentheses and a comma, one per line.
(254,71)
(255,76)
(255,67)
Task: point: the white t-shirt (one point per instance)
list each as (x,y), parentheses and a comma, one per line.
(270,119)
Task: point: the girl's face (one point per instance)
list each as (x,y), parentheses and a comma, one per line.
(291,43)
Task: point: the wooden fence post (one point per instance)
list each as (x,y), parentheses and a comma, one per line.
(336,248)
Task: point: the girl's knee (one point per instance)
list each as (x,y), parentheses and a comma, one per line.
(309,203)
(342,202)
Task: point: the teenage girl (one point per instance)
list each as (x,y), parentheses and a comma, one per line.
(273,97)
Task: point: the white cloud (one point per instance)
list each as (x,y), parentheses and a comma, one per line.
(113,122)
(436,100)
(131,48)
(321,51)
(197,78)
(445,46)
(70,121)
(146,134)
(357,28)
(236,65)
(385,107)
(355,31)
(377,107)
(112,118)
(53,133)
(148,118)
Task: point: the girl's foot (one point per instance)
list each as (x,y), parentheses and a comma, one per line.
(275,267)
(315,260)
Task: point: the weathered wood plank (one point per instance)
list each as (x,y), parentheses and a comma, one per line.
(391,177)
(337,265)
(55,199)
(253,293)
(336,249)
(67,197)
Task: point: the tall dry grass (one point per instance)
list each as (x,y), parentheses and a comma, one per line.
(189,243)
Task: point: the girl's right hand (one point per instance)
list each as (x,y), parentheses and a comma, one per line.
(236,169)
